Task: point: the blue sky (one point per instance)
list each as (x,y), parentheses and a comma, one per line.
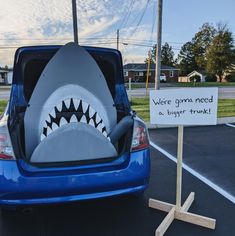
(33,22)
(182,18)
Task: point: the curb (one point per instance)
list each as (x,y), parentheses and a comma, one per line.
(220,121)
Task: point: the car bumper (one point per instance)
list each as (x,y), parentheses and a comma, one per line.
(17,188)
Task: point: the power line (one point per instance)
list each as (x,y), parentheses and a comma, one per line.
(49,39)
(137,44)
(125,43)
(86,38)
(126,18)
(141,17)
(95,38)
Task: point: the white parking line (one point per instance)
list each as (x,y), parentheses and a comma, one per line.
(196,174)
(230,125)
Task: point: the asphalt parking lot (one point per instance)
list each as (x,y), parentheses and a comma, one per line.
(209,151)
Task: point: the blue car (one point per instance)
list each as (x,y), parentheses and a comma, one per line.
(26,182)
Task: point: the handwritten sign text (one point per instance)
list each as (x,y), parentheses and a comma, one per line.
(190,106)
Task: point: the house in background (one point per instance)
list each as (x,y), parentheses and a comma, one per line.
(138,72)
(198,74)
(6,76)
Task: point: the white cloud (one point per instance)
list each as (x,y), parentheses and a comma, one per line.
(30,22)
(97,26)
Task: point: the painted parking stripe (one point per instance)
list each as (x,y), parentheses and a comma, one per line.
(230,125)
(196,174)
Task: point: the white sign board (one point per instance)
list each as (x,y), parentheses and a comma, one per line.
(188,106)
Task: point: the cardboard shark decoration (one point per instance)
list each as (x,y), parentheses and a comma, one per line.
(71,110)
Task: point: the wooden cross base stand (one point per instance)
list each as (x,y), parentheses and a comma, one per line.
(179,213)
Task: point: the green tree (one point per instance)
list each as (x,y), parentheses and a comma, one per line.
(167,55)
(186,59)
(220,54)
(192,54)
(195,55)
(200,43)
(152,55)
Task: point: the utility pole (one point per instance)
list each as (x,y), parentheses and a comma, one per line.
(118,39)
(159,45)
(148,69)
(75,21)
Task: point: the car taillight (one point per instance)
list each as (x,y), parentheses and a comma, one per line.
(6,151)
(140,139)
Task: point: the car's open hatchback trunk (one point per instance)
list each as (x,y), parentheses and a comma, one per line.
(28,66)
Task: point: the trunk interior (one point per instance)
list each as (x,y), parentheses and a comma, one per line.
(30,67)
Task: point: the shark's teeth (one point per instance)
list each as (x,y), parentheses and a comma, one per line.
(91,111)
(97,119)
(59,107)
(67,103)
(100,127)
(63,121)
(91,122)
(105,134)
(84,107)
(49,130)
(48,119)
(83,119)
(76,103)
(54,126)
(42,136)
(78,111)
(52,113)
(73,119)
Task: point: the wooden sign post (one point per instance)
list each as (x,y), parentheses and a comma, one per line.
(182,107)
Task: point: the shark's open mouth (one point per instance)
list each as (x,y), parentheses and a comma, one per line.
(69,111)
(71,114)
